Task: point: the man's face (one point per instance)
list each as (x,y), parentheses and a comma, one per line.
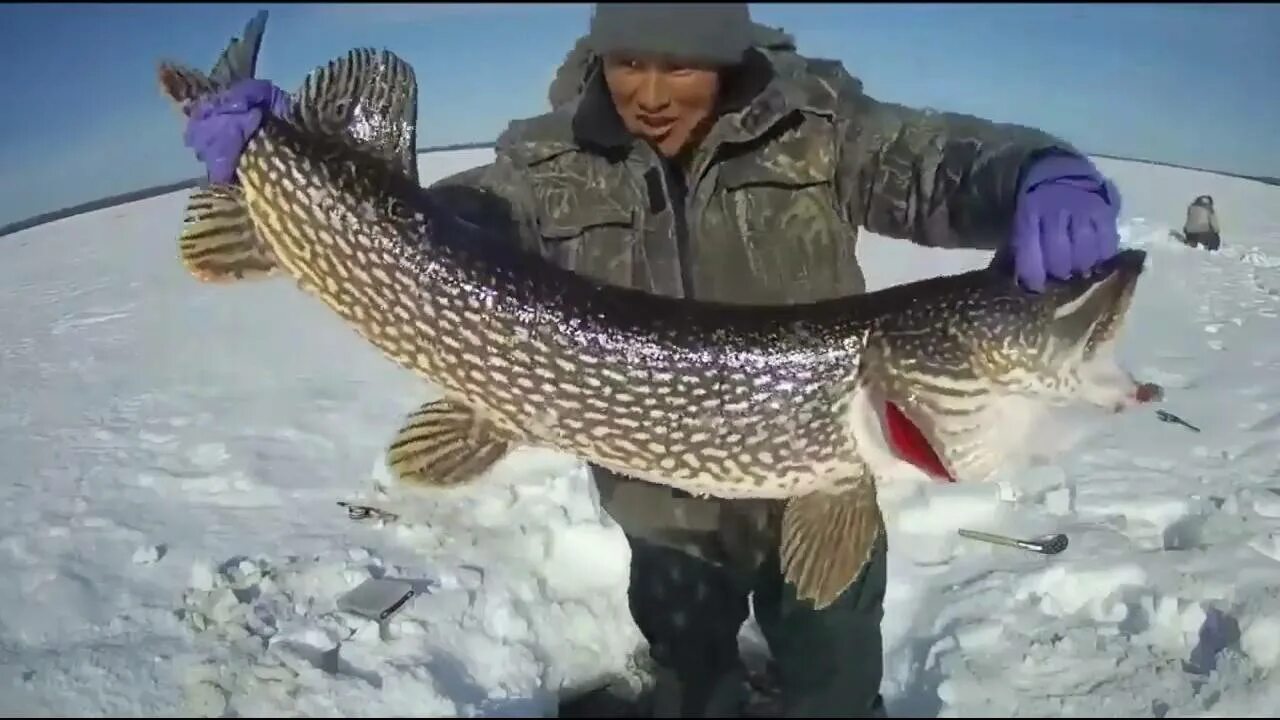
(668,104)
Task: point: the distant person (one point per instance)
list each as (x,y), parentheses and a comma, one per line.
(1201,228)
(692,153)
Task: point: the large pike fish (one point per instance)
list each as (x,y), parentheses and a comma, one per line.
(807,403)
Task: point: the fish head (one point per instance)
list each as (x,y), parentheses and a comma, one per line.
(963,376)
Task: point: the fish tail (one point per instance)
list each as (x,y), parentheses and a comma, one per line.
(218,242)
(238,61)
(366,101)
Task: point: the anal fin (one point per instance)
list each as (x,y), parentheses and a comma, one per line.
(444,443)
(827,540)
(218,242)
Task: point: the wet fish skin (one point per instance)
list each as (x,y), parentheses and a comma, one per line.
(784,402)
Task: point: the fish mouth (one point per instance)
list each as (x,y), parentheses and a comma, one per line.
(961,407)
(960,429)
(1127,269)
(1090,312)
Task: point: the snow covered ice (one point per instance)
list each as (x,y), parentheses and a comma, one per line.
(174,454)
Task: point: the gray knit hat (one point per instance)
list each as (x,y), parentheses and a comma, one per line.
(714,33)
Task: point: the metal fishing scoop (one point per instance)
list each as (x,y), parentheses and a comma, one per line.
(1174,419)
(1150,392)
(1044,544)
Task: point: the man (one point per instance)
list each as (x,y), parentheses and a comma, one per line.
(691,153)
(1201,227)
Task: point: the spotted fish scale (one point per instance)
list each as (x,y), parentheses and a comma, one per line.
(715,399)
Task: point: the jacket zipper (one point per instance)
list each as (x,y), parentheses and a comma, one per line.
(677,199)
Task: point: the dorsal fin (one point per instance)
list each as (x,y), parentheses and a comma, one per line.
(369,98)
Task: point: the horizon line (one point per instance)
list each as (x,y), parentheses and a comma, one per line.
(147,193)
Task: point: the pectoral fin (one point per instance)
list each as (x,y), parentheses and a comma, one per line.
(218,242)
(444,443)
(827,540)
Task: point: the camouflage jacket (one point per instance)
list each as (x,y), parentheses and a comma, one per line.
(769,208)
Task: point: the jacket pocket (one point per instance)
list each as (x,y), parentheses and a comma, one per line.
(786,226)
(590,238)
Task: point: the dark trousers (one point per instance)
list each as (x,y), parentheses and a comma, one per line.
(1208,240)
(696,563)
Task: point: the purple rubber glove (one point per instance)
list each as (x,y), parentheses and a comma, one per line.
(220,126)
(1065,221)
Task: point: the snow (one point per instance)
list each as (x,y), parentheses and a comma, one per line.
(175,453)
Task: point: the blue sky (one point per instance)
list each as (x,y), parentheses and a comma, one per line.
(1190,84)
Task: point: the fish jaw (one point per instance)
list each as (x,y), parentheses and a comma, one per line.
(1075,363)
(1007,380)
(997,430)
